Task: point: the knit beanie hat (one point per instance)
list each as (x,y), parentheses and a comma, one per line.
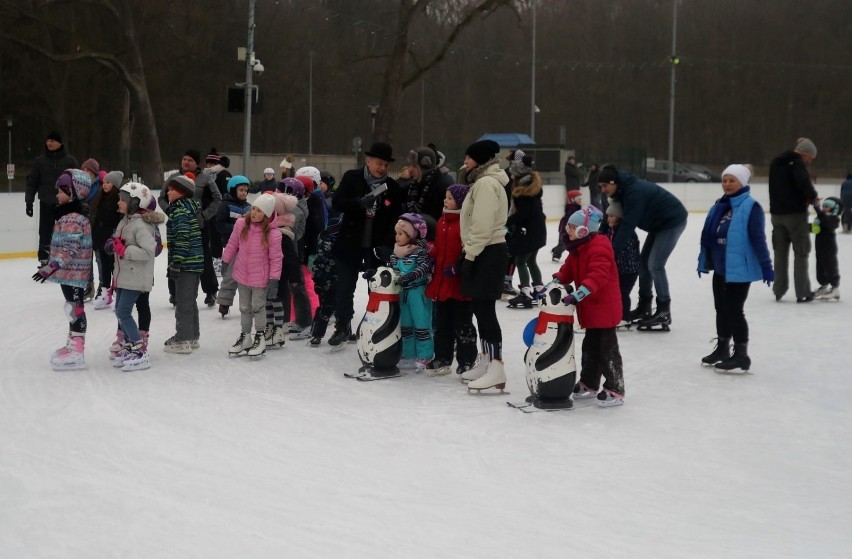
(76,183)
(589,217)
(458,192)
(482,151)
(287,162)
(194,154)
(412,225)
(520,164)
(573,195)
(423,157)
(614,208)
(328,179)
(284,206)
(265,203)
(806,146)
(739,172)
(213,156)
(608,175)
(185,184)
(92,166)
(55,136)
(114,178)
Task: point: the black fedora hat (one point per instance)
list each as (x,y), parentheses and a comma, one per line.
(381,150)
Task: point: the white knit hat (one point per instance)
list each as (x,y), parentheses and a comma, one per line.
(739,172)
(266,204)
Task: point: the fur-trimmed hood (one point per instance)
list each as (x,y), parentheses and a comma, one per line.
(532,188)
(154,218)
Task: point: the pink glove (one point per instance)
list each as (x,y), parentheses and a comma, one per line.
(119,247)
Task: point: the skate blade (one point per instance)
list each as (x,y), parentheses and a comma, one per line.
(243,353)
(68,366)
(443,371)
(257,357)
(734,372)
(136,367)
(479,391)
(336,348)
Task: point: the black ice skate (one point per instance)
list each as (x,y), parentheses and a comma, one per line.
(522,300)
(659,321)
(739,362)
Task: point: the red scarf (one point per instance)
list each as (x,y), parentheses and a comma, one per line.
(376,298)
(545,318)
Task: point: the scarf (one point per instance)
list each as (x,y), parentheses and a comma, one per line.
(376,298)
(418,192)
(402,251)
(545,318)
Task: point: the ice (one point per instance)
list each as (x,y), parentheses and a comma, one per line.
(205,456)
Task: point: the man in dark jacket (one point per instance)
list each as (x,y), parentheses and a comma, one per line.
(371,203)
(653,209)
(791,192)
(573,177)
(42,181)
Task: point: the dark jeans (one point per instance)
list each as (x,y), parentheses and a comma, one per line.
(299,297)
(655,253)
(602,358)
(729,300)
(454,328)
(209,283)
(75,309)
(45,229)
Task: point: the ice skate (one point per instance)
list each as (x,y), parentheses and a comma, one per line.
(522,300)
(739,362)
(339,337)
(624,326)
(89,294)
(274,336)
(420,365)
(136,358)
(830,294)
(103,301)
(406,364)
(118,362)
(241,346)
(71,356)
(581,391)
(173,345)
(210,300)
(438,367)
(258,348)
(477,371)
(642,310)
(494,377)
(463,367)
(722,352)
(117,345)
(303,334)
(315,342)
(659,321)
(807,298)
(609,399)
(224,310)
(508,290)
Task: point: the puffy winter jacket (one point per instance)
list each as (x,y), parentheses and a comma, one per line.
(446,252)
(71,246)
(135,270)
(254,264)
(592,265)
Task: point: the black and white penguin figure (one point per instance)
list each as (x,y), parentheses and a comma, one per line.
(379,335)
(551,368)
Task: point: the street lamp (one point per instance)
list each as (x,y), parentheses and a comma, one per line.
(10,169)
(374,108)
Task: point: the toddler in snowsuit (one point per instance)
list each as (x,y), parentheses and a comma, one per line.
(411,261)
(627,260)
(70,263)
(322,266)
(825,246)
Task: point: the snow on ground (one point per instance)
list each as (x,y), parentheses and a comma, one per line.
(202,456)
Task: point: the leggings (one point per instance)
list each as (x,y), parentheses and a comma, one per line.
(729,300)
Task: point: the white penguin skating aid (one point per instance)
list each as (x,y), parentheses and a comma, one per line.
(379,336)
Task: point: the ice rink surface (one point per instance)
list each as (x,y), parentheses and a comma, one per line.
(202,456)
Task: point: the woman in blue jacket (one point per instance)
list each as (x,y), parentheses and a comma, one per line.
(733,245)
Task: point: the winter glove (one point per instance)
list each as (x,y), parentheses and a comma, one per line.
(272,288)
(174,271)
(451,271)
(119,247)
(45,271)
(576,296)
(30,209)
(768,275)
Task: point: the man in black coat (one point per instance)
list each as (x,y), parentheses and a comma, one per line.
(42,181)
(573,177)
(791,192)
(370,203)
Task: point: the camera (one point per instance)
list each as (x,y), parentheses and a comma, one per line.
(258,67)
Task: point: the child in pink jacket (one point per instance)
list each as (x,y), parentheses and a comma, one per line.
(254,254)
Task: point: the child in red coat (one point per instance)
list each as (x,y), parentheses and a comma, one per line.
(454,324)
(590,266)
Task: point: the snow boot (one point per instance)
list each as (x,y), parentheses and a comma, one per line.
(495,377)
(241,346)
(722,352)
(660,320)
(258,348)
(738,362)
(642,310)
(136,358)
(71,356)
(521,301)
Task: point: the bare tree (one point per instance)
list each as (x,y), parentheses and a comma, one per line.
(123,60)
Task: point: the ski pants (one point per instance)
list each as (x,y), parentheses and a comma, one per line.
(454,327)
(416,324)
(602,358)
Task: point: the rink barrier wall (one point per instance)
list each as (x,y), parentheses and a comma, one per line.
(19,233)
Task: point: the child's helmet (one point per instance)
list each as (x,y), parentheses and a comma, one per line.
(138,196)
(292,186)
(236,181)
(310,172)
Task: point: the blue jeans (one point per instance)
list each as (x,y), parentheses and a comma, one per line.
(125,300)
(655,253)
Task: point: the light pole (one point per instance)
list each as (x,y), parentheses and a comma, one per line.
(533,108)
(9,175)
(250,63)
(675,61)
(311,103)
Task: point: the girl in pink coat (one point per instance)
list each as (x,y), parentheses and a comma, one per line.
(254,252)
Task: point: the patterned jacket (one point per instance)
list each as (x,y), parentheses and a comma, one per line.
(184,235)
(71,246)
